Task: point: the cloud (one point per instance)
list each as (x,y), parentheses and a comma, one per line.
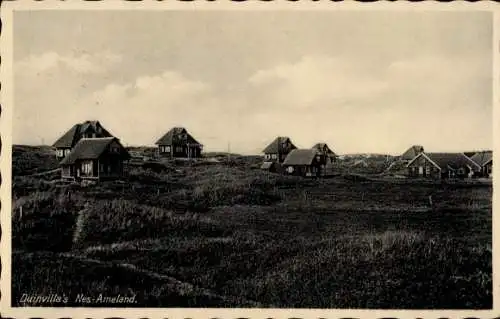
(48,87)
(395,80)
(159,90)
(317,79)
(150,105)
(351,104)
(81,63)
(444,82)
(354,105)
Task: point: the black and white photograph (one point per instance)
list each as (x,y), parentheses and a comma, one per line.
(276,159)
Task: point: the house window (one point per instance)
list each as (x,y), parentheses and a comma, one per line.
(178,149)
(60,153)
(428,170)
(115,149)
(66,171)
(87,168)
(274,156)
(461,171)
(165,149)
(267,156)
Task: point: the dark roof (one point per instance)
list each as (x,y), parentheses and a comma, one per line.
(482,158)
(91,148)
(279,145)
(71,137)
(449,160)
(300,157)
(67,140)
(322,148)
(89,124)
(177,135)
(412,152)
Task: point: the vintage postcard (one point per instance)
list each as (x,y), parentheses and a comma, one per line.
(245,159)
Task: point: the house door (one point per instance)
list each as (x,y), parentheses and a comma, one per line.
(420,170)
(78,172)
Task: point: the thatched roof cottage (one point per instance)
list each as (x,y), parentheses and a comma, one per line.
(278,149)
(179,143)
(87,129)
(302,162)
(327,155)
(95,159)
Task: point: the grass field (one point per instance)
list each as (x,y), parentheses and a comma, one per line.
(227,235)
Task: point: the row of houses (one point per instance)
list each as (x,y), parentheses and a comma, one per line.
(89,151)
(283,156)
(175,143)
(447,165)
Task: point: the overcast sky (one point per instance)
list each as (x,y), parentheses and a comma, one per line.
(360,81)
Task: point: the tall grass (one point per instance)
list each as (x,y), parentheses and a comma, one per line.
(387,270)
(347,241)
(117,220)
(32,159)
(44,221)
(66,275)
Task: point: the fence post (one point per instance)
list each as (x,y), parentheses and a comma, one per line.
(306,198)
